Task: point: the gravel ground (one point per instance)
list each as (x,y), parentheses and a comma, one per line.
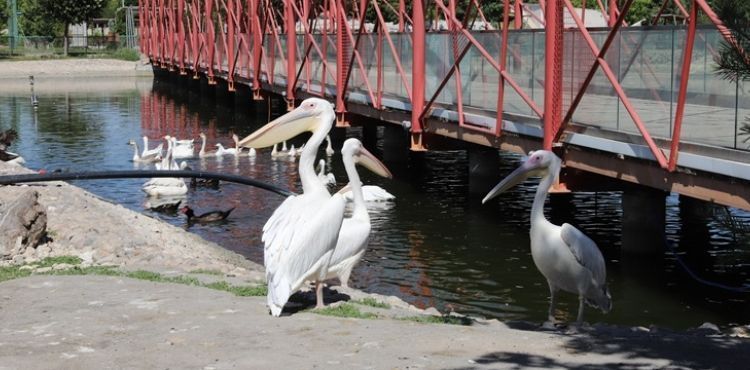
(73,67)
(102,322)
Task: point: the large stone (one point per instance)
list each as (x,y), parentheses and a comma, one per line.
(23,222)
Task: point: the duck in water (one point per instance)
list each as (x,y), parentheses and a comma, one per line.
(207,217)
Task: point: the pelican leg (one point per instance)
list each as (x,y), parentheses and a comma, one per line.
(344,278)
(579,320)
(551,312)
(319,294)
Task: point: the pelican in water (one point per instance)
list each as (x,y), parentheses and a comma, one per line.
(302,233)
(567,258)
(355,230)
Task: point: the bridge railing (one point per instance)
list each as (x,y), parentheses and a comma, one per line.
(497,72)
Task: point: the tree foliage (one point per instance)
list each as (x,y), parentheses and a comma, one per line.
(3,15)
(733,63)
(33,21)
(70,11)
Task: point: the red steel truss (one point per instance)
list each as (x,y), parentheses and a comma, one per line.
(276,42)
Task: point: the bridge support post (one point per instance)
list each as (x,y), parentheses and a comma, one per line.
(553,74)
(483,165)
(418,74)
(369,134)
(643,220)
(291,52)
(395,144)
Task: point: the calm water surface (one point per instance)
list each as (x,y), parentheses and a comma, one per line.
(436,245)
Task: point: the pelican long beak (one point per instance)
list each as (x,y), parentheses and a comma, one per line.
(372,163)
(280,129)
(516,177)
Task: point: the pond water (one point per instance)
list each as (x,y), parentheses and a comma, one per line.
(436,245)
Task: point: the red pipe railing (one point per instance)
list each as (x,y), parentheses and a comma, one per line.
(242,39)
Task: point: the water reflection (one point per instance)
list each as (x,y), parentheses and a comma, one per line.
(435,245)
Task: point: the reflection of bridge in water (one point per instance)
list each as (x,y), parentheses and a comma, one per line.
(618,102)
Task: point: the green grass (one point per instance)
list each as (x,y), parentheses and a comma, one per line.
(239,290)
(51,261)
(125,54)
(372,302)
(345,310)
(207,272)
(12,272)
(15,272)
(445,319)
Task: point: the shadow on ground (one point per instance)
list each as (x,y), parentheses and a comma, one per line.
(638,349)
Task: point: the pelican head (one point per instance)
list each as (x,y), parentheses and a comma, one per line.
(310,115)
(355,149)
(539,163)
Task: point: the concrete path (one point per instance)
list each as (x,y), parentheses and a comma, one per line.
(98,322)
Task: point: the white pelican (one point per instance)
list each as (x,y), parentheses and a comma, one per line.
(325,178)
(567,258)
(202,153)
(355,230)
(150,152)
(153,157)
(252,153)
(302,232)
(274,152)
(292,153)
(329,148)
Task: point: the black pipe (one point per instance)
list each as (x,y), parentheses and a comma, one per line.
(99,175)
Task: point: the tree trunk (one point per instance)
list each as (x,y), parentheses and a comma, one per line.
(65,40)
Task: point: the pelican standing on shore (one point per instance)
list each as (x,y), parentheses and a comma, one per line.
(567,258)
(355,230)
(302,233)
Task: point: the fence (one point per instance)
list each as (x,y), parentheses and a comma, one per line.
(40,46)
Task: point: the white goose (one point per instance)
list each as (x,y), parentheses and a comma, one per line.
(202,153)
(302,233)
(371,193)
(147,153)
(567,258)
(325,178)
(179,150)
(153,157)
(221,151)
(165,187)
(355,230)
(329,147)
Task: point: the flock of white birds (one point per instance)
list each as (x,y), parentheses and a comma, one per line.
(309,240)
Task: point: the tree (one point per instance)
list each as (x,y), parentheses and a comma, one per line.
(70,12)
(3,15)
(33,22)
(733,62)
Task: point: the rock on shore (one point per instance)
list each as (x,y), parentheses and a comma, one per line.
(99,232)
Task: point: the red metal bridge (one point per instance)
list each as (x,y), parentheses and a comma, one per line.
(640,104)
